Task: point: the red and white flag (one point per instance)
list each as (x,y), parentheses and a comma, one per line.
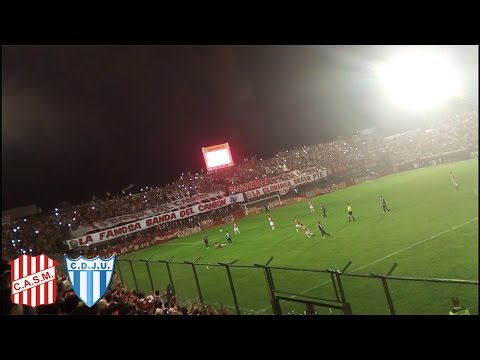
(33,280)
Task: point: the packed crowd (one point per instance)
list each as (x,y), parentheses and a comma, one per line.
(343,156)
(458,133)
(149,235)
(118,300)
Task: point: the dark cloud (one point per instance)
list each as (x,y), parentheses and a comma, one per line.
(83,120)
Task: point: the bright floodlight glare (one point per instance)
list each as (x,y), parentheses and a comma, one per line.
(418,80)
(219,157)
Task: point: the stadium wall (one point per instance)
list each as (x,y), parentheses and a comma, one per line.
(161,239)
(433,160)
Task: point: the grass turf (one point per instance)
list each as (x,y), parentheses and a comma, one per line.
(431,231)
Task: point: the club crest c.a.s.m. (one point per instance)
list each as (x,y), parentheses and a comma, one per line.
(90,278)
(33,280)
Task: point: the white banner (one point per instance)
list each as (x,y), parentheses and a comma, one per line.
(254,184)
(172,206)
(284,186)
(144,224)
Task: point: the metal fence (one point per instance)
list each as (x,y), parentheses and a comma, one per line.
(332,291)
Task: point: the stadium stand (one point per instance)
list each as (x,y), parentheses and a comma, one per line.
(346,159)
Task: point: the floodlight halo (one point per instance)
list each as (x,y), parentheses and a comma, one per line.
(418,80)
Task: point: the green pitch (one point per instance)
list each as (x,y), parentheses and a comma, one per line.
(431,231)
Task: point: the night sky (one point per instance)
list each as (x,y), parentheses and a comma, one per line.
(79,121)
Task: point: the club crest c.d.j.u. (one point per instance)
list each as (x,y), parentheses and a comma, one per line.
(90,278)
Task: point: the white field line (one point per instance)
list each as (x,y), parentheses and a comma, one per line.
(195,243)
(385,257)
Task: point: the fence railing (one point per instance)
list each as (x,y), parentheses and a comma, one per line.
(282,289)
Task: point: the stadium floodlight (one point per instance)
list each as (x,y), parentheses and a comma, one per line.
(418,80)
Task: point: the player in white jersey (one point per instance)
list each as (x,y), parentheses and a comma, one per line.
(454,181)
(297,224)
(235,229)
(306,231)
(311,206)
(350,213)
(270,220)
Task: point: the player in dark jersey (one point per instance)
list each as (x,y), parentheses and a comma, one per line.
(324,211)
(384,204)
(322,230)
(205,240)
(454,180)
(229,238)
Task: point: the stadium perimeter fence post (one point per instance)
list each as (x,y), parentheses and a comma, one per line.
(133,274)
(347,310)
(227,266)
(196,278)
(334,283)
(271,287)
(388,295)
(149,274)
(277,310)
(169,272)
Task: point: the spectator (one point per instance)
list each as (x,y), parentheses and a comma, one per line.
(457,309)
(309,309)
